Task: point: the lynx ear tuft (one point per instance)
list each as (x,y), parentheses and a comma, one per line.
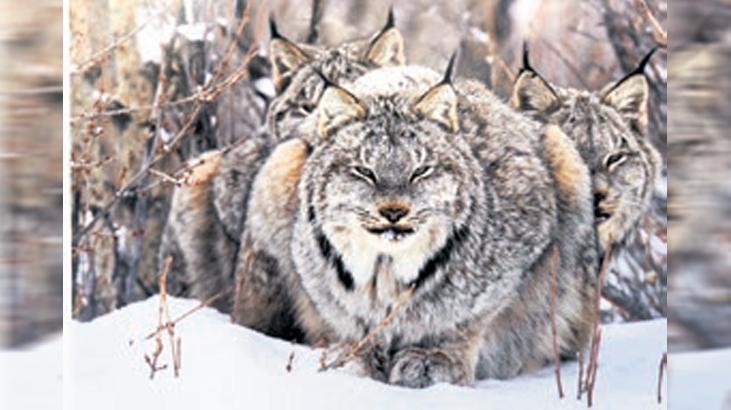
(337,107)
(387,47)
(440,102)
(630,95)
(531,92)
(284,56)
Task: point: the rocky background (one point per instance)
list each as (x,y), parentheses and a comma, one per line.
(157,83)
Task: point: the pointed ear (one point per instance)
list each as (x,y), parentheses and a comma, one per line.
(337,107)
(387,48)
(284,56)
(630,98)
(440,102)
(630,95)
(531,92)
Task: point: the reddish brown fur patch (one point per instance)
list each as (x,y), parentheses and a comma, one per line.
(570,171)
(282,171)
(204,168)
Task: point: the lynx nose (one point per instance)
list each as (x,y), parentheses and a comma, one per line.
(393,213)
(599,196)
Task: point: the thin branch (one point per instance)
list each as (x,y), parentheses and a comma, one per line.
(554,293)
(100,55)
(580,378)
(313,32)
(660,371)
(358,349)
(593,364)
(660,35)
(210,94)
(189,312)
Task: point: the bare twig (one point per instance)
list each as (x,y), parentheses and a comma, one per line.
(660,371)
(211,93)
(152,360)
(360,348)
(313,32)
(186,314)
(660,35)
(101,55)
(554,291)
(593,364)
(290,359)
(580,378)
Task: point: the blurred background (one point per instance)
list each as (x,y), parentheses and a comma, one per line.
(139,68)
(30,171)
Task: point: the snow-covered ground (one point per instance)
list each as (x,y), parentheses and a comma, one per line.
(229,367)
(700,380)
(30,379)
(226,366)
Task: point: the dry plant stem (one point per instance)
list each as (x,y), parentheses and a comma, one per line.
(210,94)
(177,320)
(660,372)
(152,361)
(290,359)
(165,310)
(358,349)
(660,35)
(554,293)
(100,55)
(579,383)
(593,364)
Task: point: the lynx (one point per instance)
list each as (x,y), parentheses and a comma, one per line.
(206,217)
(503,354)
(398,195)
(608,128)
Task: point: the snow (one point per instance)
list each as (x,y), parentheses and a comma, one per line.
(700,378)
(30,378)
(228,366)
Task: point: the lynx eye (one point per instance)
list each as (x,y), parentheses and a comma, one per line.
(420,172)
(365,173)
(614,159)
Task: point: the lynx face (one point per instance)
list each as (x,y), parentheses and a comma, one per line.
(393,183)
(298,70)
(608,127)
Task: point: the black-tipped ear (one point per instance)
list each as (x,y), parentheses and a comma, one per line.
(526,60)
(631,94)
(336,108)
(531,92)
(273,32)
(387,47)
(284,56)
(439,104)
(449,72)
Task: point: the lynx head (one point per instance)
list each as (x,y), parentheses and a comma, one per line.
(295,69)
(390,177)
(609,128)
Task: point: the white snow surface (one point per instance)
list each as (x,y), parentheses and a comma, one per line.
(700,380)
(30,378)
(225,366)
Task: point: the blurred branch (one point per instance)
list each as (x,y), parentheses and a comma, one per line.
(661,36)
(313,32)
(101,55)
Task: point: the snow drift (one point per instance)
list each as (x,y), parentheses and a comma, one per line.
(227,366)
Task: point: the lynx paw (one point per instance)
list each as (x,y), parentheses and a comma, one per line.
(418,368)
